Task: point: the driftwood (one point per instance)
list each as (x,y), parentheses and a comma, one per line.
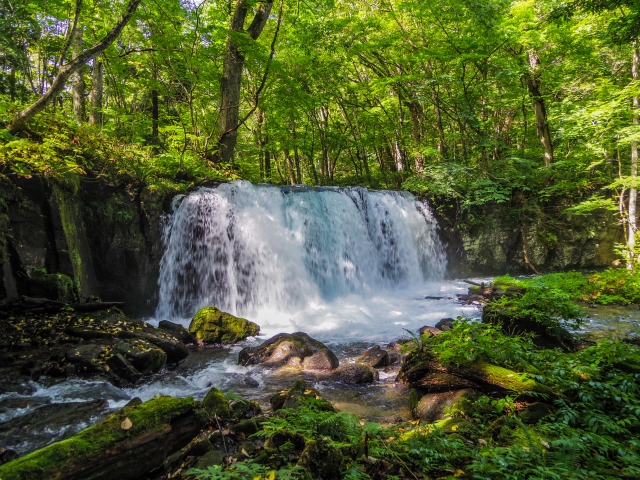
(24,304)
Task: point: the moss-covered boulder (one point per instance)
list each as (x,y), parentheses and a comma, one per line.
(357,373)
(322,460)
(55,286)
(126,445)
(300,395)
(216,404)
(211,325)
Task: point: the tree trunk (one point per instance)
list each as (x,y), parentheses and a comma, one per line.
(19,122)
(633,192)
(77,79)
(155,116)
(290,168)
(95,117)
(232,76)
(542,124)
(267,165)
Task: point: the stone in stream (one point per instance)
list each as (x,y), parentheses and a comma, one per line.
(445,324)
(86,357)
(290,348)
(296,397)
(375,357)
(178,331)
(211,325)
(143,355)
(357,373)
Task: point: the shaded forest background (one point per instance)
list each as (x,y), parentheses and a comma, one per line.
(472,101)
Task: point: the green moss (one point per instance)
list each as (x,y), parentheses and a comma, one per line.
(215,403)
(48,462)
(53,285)
(508,379)
(214,326)
(71,236)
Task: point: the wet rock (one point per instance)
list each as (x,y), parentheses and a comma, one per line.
(432,406)
(297,396)
(251,382)
(86,358)
(282,436)
(143,355)
(374,357)
(123,368)
(7,455)
(322,460)
(322,360)
(357,373)
(216,404)
(209,459)
(211,325)
(282,347)
(178,331)
(245,409)
(429,331)
(199,448)
(445,324)
(246,427)
(172,346)
(134,402)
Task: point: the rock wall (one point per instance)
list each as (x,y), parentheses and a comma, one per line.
(80,240)
(494,240)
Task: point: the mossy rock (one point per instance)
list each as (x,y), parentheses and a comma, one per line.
(300,395)
(322,460)
(245,409)
(216,404)
(143,355)
(457,425)
(507,379)
(285,347)
(211,325)
(70,457)
(209,459)
(55,286)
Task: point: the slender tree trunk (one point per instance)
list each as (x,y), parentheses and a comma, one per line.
(232,75)
(542,124)
(267,165)
(19,122)
(296,154)
(258,140)
(290,167)
(77,79)
(633,192)
(95,117)
(155,116)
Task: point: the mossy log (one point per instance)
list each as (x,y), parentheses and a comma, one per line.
(115,447)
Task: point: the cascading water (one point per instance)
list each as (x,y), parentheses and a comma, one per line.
(263,252)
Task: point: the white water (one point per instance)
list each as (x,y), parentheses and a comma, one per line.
(341,264)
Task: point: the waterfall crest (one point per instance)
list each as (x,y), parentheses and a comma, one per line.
(245,247)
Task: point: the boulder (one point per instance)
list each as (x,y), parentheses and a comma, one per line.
(169,344)
(86,358)
(209,459)
(429,331)
(432,406)
(284,347)
(216,404)
(299,395)
(357,373)
(322,460)
(178,331)
(211,325)
(322,360)
(445,324)
(143,355)
(375,357)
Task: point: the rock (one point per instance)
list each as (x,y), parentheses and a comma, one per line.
(535,412)
(123,368)
(214,326)
(322,460)
(86,357)
(143,355)
(172,346)
(297,396)
(245,409)
(283,436)
(106,451)
(322,360)
(7,455)
(178,331)
(216,404)
(56,286)
(246,427)
(435,382)
(199,448)
(209,459)
(429,331)
(251,382)
(357,373)
(280,348)
(374,357)
(445,324)
(431,406)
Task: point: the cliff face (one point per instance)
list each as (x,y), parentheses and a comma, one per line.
(81,240)
(498,241)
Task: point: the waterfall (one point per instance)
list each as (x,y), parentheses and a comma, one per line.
(245,248)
